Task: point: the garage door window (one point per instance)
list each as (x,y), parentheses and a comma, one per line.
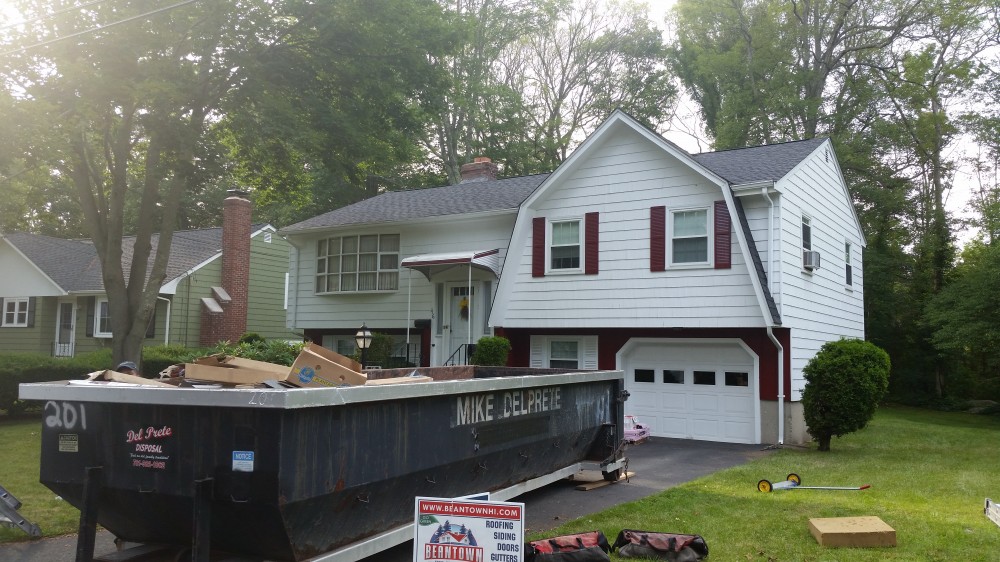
(704,377)
(737,379)
(644,375)
(672,376)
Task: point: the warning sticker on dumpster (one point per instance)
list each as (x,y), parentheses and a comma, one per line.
(461,530)
(242,461)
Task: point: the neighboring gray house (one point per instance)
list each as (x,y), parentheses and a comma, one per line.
(710,279)
(53,301)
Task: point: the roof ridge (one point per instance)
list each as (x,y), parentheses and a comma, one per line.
(821,138)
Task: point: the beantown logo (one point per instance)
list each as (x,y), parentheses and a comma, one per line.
(453,541)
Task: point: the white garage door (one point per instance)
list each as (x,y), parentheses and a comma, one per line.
(704,391)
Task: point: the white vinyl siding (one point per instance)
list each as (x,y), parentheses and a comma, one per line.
(815,306)
(621,178)
(383,311)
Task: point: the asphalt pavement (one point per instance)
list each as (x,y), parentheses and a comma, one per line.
(657,464)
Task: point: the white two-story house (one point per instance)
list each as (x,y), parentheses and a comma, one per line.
(709,279)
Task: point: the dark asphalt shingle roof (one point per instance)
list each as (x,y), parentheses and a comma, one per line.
(743,165)
(462,198)
(758,163)
(75,267)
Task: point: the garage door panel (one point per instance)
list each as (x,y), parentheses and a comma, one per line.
(736,405)
(674,402)
(670,426)
(705,403)
(644,398)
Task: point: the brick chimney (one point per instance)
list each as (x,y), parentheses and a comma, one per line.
(481,169)
(233,298)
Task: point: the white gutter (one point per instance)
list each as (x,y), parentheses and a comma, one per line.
(166,328)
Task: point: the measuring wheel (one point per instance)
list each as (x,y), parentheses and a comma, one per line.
(764,486)
(794,478)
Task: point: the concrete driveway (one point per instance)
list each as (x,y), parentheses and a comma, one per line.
(658,464)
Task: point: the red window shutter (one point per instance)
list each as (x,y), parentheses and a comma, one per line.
(723,236)
(538,247)
(590,242)
(658,238)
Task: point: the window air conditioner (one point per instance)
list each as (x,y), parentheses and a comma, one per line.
(810,260)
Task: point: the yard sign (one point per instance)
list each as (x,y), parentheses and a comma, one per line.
(460,530)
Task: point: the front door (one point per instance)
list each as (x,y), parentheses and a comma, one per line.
(460,321)
(65,329)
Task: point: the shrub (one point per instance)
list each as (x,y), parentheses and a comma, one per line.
(844,383)
(280,352)
(491,351)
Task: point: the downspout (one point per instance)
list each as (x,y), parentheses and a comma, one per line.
(166,328)
(770,329)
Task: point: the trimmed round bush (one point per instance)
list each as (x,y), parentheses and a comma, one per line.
(845,382)
(491,351)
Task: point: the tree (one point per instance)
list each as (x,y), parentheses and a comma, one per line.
(845,381)
(129,106)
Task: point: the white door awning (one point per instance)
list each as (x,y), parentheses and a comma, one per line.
(433,264)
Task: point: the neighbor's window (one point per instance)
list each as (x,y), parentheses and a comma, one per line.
(564,251)
(848,273)
(564,354)
(102,319)
(15,313)
(689,236)
(807,238)
(357,264)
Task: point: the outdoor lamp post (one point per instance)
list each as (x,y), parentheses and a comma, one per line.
(363,339)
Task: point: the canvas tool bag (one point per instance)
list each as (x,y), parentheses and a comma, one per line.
(660,546)
(591,546)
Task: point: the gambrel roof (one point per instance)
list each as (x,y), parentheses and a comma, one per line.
(74,266)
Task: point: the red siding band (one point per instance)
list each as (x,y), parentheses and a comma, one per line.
(591,243)
(723,236)
(658,238)
(538,247)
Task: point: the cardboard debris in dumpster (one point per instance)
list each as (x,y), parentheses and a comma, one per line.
(315,367)
(318,367)
(115,376)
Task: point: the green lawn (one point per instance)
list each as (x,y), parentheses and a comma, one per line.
(929,471)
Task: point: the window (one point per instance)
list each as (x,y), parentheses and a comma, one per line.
(564,354)
(704,377)
(807,239)
(689,236)
(671,376)
(645,375)
(15,313)
(355,264)
(848,274)
(102,319)
(737,379)
(564,252)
